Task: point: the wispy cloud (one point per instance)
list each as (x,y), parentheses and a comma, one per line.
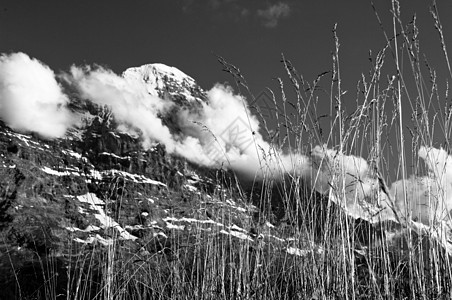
(273,13)
(219,10)
(269,15)
(189,6)
(216,4)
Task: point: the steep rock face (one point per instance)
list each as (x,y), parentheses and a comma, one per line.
(167,82)
(171,84)
(98,188)
(96,197)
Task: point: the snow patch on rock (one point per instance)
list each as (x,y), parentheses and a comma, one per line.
(106,222)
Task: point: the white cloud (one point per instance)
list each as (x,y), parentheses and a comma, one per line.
(273,13)
(348,180)
(428,198)
(30,97)
(233,139)
(131,104)
(222,132)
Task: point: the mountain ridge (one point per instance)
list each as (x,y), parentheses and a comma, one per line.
(98,187)
(100,190)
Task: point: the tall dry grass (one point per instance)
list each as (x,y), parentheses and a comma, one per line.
(199,264)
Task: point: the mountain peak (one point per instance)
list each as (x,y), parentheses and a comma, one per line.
(160,79)
(158,69)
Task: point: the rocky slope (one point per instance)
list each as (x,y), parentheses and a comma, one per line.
(71,205)
(97,188)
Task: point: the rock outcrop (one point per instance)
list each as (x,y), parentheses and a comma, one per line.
(95,202)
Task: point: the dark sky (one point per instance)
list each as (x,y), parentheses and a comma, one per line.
(188,33)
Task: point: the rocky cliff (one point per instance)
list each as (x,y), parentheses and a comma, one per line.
(95,214)
(97,189)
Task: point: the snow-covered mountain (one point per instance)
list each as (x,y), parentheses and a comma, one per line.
(97,197)
(162,80)
(97,187)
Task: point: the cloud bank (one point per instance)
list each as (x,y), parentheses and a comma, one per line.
(349,182)
(234,138)
(428,198)
(30,97)
(220,132)
(129,101)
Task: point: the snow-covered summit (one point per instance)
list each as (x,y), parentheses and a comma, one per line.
(160,78)
(172,72)
(153,72)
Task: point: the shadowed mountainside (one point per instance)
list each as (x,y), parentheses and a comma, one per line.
(95,215)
